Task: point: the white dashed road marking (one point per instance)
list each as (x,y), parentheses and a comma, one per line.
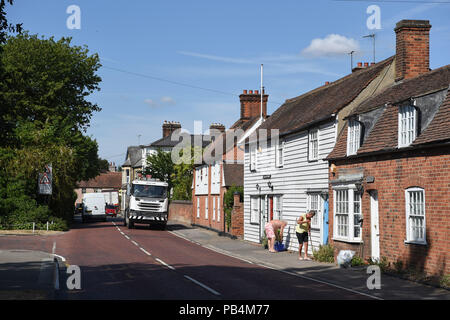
(202,285)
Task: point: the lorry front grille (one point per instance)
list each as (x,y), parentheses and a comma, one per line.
(149,206)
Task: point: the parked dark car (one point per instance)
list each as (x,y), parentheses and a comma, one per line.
(79,208)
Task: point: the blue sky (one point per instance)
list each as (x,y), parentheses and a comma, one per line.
(216,45)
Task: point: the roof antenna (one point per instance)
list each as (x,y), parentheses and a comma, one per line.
(262,90)
(373,38)
(351,60)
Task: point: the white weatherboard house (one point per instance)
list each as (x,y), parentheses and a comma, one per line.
(288,176)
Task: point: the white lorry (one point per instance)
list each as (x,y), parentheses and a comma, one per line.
(147,202)
(93,207)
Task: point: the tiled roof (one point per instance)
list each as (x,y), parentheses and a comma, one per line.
(133,156)
(435,80)
(439,128)
(384,135)
(233,174)
(319,104)
(104,180)
(168,142)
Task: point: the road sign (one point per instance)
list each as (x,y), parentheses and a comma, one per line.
(45,181)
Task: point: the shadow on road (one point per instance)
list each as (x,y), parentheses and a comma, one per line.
(155,282)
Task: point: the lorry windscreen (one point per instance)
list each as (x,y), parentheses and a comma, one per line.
(139,190)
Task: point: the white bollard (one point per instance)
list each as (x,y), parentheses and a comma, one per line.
(47,225)
(33,227)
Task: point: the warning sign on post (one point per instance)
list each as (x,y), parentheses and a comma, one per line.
(45,181)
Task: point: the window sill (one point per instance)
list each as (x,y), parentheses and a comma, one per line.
(254,223)
(420,243)
(348,240)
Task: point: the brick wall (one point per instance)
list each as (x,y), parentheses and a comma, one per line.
(237,217)
(180,211)
(393,174)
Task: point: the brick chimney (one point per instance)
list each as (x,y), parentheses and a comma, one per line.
(251,104)
(217,126)
(412,57)
(170,126)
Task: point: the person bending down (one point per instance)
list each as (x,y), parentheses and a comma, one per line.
(272,228)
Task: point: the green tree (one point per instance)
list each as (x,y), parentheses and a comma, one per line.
(160,166)
(183,174)
(228,201)
(45,114)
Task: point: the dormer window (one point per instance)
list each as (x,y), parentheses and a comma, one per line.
(353,137)
(407,125)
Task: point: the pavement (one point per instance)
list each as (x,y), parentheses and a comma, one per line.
(350,279)
(27,275)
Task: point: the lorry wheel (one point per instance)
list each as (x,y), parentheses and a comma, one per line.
(125,219)
(163,226)
(130,224)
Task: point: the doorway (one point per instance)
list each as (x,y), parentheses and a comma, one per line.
(374,226)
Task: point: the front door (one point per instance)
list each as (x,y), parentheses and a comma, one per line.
(262,215)
(270,208)
(325,222)
(374,226)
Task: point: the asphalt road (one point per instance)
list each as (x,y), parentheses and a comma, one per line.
(148,263)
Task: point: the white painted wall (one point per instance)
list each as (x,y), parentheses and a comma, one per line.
(291,181)
(201,180)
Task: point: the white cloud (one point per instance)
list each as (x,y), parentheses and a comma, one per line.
(167,100)
(163,101)
(331,45)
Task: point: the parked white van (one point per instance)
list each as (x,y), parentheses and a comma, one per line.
(93,207)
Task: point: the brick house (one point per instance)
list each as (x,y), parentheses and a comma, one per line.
(104,182)
(390,169)
(212,178)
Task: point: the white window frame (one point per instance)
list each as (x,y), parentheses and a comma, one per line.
(344,214)
(254,209)
(253,156)
(407,125)
(277,207)
(315,222)
(419,213)
(206,208)
(313,145)
(214,208)
(279,153)
(218,209)
(198,207)
(353,137)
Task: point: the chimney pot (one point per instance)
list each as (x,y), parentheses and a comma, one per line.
(250,92)
(359,64)
(327,83)
(256,92)
(245,91)
(366,64)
